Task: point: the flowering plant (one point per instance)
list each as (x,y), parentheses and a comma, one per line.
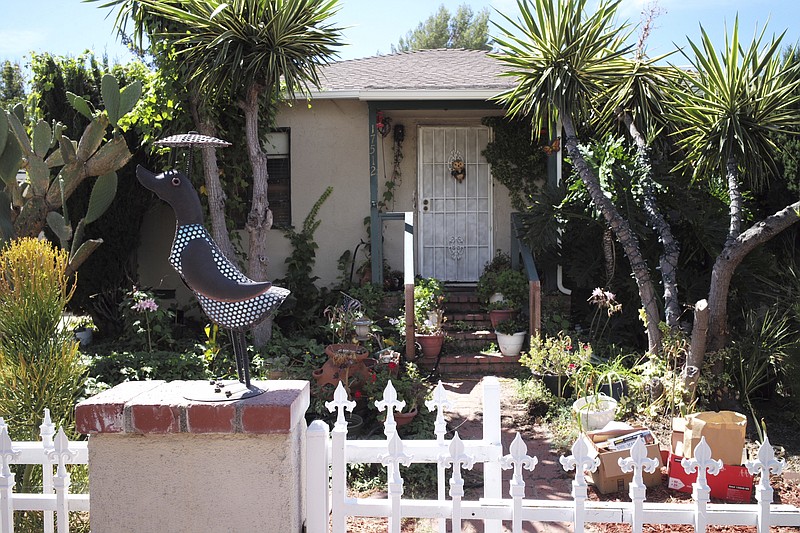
(145,317)
(555,355)
(607,305)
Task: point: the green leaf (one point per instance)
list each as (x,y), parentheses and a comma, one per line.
(20,133)
(109,90)
(42,137)
(80,105)
(77,237)
(128,97)
(60,227)
(10,160)
(82,254)
(3,130)
(38,175)
(67,148)
(91,138)
(19,111)
(6,227)
(103,192)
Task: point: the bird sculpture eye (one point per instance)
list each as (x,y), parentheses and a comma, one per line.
(176,181)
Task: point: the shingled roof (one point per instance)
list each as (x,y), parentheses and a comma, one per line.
(422,74)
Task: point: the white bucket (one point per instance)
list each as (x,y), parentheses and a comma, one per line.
(595,412)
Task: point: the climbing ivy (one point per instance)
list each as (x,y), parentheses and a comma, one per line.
(517,159)
(300,263)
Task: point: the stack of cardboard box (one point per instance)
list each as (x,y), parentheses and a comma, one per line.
(609,445)
(724,433)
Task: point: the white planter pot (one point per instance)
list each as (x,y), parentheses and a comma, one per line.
(84,336)
(510,344)
(595,412)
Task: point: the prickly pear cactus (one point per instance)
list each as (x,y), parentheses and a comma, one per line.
(55,166)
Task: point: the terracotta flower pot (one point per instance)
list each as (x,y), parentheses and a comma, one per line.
(431,344)
(499,315)
(404,418)
(358,351)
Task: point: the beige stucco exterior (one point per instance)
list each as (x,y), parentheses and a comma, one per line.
(330,147)
(187,483)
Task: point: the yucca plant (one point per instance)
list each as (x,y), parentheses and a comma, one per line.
(567,61)
(40,366)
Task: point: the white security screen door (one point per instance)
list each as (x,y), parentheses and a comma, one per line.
(455,219)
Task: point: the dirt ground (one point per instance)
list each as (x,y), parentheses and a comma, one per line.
(550,481)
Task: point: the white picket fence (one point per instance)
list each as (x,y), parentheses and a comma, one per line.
(52,453)
(332,452)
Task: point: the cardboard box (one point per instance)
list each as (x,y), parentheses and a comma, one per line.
(733,483)
(724,432)
(609,477)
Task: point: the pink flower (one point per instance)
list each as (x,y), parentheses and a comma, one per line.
(392,365)
(597,292)
(148,304)
(357,395)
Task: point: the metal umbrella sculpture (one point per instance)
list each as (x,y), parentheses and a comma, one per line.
(229,298)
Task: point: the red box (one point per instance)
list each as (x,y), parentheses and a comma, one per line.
(733,483)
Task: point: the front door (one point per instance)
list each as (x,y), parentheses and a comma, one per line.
(454,203)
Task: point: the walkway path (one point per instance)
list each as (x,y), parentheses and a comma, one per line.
(547,481)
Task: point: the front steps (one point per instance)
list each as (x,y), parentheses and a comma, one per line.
(469,335)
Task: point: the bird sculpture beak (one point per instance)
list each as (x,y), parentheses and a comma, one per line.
(145,177)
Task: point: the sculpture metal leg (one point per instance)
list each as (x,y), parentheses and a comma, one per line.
(242,359)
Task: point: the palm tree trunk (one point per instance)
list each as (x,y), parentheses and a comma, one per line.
(668,260)
(729,259)
(259,220)
(216,196)
(735,195)
(622,231)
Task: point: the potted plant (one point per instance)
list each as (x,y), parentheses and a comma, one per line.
(502,289)
(553,359)
(429,315)
(412,388)
(592,408)
(511,336)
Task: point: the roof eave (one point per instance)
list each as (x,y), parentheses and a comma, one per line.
(414,94)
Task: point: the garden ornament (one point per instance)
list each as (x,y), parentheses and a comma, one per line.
(229,298)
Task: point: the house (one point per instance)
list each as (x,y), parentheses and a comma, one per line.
(411,119)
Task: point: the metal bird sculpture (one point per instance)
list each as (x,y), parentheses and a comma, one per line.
(229,298)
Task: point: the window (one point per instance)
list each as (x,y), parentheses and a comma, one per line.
(276,145)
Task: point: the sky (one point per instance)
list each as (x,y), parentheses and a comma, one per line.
(67,27)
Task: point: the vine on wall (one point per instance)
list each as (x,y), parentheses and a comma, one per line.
(517,160)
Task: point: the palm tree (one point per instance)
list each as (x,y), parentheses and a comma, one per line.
(565,60)
(639,104)
(256,51)
(726,107)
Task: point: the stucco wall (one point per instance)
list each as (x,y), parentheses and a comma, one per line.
(329,146)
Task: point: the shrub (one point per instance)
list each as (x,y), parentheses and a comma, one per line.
(40,366)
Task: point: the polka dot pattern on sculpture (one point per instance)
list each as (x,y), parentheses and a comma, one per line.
(233,315)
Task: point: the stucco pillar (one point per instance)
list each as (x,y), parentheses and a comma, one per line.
(160,462)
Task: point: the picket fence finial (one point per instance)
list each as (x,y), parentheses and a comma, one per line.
(340,403)
(580,460)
